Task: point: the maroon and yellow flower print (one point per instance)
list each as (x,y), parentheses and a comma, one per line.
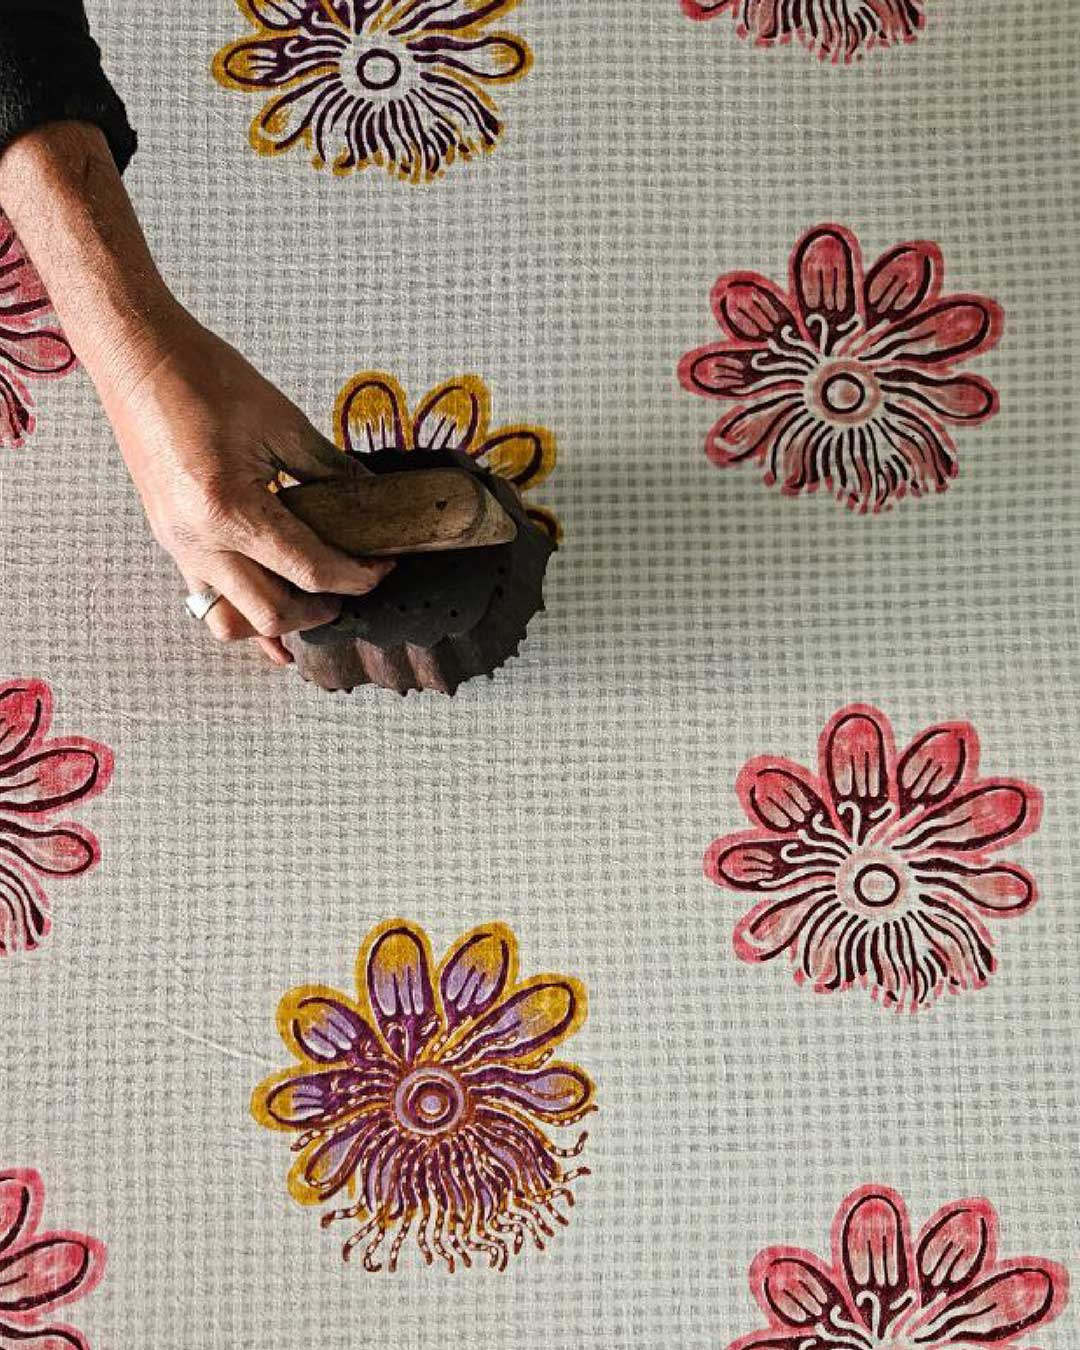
(877,870)
(426,1097)
(848,379)
(372,413)
(401,84)
(835,30)
(40,1271)
(38,779)
(946,1290)
(32,347)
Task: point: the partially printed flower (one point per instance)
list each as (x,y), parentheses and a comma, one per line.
(948,1289)
(427,1098)
(877,870)
(32,347)
(402,84)
(39,779)
(372,413)
(835,30)
(847,379)
(40,1269)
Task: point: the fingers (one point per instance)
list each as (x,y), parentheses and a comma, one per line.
(256,604)
(285,546)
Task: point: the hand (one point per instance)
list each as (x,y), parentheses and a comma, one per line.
(203,434)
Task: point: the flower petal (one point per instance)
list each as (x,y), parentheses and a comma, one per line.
(525,456)
(751,308)
(266,63)
(774,925)
(65,772)
(857,753)
(22,1196)
(498,57)
(277,14)
(957,1244)
(1019,1296)
(371,414)
(323,1170)
(752,430)
(41,351)
(450,15)
(319,1098)
(872,1245)
(996,810)
(453,416)
(24,911)
(769,1340)
(46,1271)
(476,971)
(935,763)
(25,715)
(538,1015)
(826,275)
(47,1338)
(962,325)
(316,1023)
(794,1289)
(63,852)
(963,399)
(736,370)
(758,863)
(396,966)
(558,1093)
(1004,891)
(779,794)
(287,119)
(906,277)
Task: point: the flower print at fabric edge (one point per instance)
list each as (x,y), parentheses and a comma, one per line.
(877,870)
(847,379)
(372,413)
(883,1289)
(425,1098)
(40,1271)
(32,346)
(835,30)
(39,778)
(403,85)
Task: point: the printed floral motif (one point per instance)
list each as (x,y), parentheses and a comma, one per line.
(397,83)
(37,778)
(425,1097)
(946,1291)
(875,872)
(847,378)
(372,413)
(835,30)
(40,1271)
(31,344)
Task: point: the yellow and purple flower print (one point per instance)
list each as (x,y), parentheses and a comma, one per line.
(402,84)
(426,1097)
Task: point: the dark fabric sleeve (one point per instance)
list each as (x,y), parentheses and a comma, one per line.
(50,71)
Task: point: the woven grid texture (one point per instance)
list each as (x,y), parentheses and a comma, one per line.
(257,828)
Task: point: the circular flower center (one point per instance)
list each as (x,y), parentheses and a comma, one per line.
(873,881)
(844,391)
(378,69)
(429,1101)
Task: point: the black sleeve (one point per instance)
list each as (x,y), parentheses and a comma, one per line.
(50,71)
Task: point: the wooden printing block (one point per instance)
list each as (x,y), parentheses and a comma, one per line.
(438,619)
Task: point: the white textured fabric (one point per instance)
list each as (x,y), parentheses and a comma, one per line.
(258,828)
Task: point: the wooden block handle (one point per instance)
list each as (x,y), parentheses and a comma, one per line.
(422,511)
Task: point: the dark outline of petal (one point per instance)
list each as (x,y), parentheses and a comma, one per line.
(97,777)
(11,831)
(788,413)
(836,323)
(454,1013)
(968,764)
(937,872)
(927,289)
(837,798)
(771,843)
(900,1290)
(1057,1290)
(907,387)
(748,781)
(39,723)
(921,835)
(890,347)
(809,905)
(433,49)
(769,325)
(983,1258)
(28,907)
(404,1031)
(766,1261)
(31,1205)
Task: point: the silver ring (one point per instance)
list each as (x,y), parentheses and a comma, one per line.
(200,603)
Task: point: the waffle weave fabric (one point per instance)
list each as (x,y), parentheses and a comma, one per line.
(257,833)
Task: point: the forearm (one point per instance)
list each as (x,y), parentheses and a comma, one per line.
(61,190)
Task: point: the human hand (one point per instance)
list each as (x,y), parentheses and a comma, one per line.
(203,434)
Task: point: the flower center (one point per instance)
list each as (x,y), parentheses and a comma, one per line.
(872,881)
(378,69)
(429,1101)
(845,392)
